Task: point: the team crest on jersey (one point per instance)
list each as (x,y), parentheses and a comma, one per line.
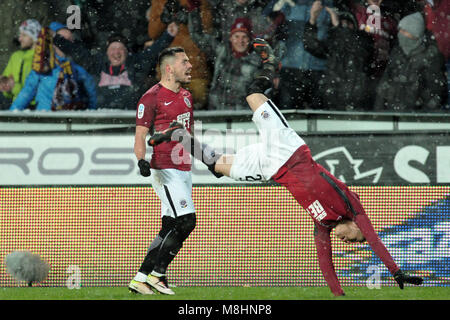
(265,114)
(183,203)
(141,111)
(188,103)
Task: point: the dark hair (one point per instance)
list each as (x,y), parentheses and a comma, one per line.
(169,52)
(116,37)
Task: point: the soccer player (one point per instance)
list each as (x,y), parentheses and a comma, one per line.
(284,157)
(169,169)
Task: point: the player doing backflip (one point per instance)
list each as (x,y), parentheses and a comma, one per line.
(284,157)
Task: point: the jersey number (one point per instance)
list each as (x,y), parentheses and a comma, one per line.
(317,211)
(251,178)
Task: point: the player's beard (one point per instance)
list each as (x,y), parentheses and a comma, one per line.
(183,79)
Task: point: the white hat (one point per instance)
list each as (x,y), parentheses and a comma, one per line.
(31,27)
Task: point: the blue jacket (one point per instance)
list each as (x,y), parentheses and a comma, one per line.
(296,17)
(42,86)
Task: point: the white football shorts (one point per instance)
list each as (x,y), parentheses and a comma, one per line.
(174,189)
(278,141)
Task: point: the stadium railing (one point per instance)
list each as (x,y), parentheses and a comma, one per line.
(307,121)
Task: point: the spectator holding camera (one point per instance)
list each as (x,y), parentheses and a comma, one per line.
(19,64)
(346,85)
(55,82)
(164,12)
(119,75)
(414,79)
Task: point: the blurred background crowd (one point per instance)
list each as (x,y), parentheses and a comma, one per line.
(344,55)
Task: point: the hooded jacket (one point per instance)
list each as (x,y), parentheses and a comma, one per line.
(19,66)
(414,82)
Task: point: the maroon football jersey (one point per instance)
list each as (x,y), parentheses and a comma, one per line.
(315,189)
(157,108)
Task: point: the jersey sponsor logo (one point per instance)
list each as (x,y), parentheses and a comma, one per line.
(167,103)
(316,210)
(188,103)
(141,109)
(265,114)
(184,119)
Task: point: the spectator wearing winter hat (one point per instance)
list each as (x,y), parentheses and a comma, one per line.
(234,65)
(19,64)
(119,75)
(61,29)
(414,79)
(55,82)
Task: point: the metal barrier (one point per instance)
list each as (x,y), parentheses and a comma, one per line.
(309,121)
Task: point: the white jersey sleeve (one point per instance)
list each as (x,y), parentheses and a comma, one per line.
(278,141)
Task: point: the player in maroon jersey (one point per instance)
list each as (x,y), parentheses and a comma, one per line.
(284,157)
(169,169)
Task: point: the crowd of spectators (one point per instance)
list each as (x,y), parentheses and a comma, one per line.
(335,55)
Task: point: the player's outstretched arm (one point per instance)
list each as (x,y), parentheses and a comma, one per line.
(255,100)
(200,151)
(263,78)
(381,251)
(324,253)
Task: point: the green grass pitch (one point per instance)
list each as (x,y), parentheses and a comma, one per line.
(227,293)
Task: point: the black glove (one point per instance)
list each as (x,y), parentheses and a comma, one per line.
(144,167)
(263,78)
(265,51)
(403,278)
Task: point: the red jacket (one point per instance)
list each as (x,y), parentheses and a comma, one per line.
(437,22)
